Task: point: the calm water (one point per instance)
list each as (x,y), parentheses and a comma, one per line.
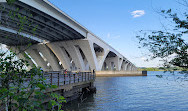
(136,94)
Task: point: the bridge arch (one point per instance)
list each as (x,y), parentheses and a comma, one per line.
(83,58)
(99,52)
(110,62)
(129,66)
(123,65)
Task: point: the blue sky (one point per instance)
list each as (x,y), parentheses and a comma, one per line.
(113,21)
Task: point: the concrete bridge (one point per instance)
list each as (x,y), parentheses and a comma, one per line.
(59,41)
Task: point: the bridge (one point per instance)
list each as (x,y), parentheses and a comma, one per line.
(59,42)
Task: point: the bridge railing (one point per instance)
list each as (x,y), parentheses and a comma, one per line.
(61,78)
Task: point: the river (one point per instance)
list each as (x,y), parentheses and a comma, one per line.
(143,93)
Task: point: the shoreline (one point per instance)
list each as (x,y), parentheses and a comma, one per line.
(120,73)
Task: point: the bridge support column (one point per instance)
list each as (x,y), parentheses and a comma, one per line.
(38,59)
(74,53)
(61,54)
(129,67)
(126,65)
(120,63)
(54,63)
(89,52)
(21,55)
(123,66)
(102,59)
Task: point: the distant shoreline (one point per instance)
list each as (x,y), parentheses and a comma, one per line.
(160,69)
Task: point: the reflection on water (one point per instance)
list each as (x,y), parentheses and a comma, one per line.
(136,94)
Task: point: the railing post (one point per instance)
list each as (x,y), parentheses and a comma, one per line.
(78,76)
(85,76)
(58,79)
(74,78)
(70,78)
(93,74)
(88,75)
(64,78)
(51,78)
(82,77)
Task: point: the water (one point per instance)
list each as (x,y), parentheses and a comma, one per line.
(136,94)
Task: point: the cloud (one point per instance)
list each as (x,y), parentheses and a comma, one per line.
(113,36)
(137,13)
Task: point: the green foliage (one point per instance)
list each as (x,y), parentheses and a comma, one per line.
(162,69)
(21,89)
(165,44)
(57,101)
(11,1)
(149,69)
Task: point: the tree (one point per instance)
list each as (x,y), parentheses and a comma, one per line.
(169,43)
(23,89)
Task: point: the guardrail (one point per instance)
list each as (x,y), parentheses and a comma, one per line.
(60,78)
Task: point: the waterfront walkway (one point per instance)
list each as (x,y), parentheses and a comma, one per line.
(64,78)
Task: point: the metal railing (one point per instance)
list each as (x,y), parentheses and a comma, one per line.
(60,78)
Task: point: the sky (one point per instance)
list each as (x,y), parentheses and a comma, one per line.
(118,22)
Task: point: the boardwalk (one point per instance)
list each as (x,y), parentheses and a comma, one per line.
(61,78)
(64,78)
(71,85)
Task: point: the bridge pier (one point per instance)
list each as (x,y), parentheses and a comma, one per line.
(60,54)
(38,59)
(80,55)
